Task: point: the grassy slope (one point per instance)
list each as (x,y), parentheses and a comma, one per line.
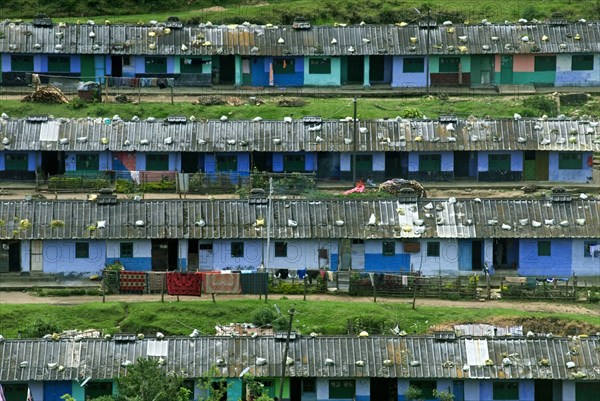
(329,108)
(178,318)
(320,12)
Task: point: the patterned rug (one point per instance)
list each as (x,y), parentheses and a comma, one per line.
(132,281)
(184,284)
(221,283)
(156,282)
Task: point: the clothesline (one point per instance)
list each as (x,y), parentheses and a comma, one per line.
(119,82)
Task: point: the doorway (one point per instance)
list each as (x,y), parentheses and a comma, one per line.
(53,163)
(506,253)
(10,256)
(193,254)
(544,390)
(354,70)
(535,166)
(226,69)
(470,255)
(506,69)
(377,69)
(394,166)
(358,254)
(116,66)
(205,257)
(328,166)
(465,165)
(384,389)
(262,161)
(189,162)
(164,254)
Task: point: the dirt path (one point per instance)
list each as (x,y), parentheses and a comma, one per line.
(27,298)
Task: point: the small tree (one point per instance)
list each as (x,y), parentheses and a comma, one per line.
(443,395)
(147,380)
(214,385)
(414,394)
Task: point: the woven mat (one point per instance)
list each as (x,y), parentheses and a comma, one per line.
(156,282)
(132,281)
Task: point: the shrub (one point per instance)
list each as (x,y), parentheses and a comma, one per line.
(411,112)
(124,186)
(40,326)
(414,393)
(70,183)
(542,104)
(164,185)
(77,103)
(264,316)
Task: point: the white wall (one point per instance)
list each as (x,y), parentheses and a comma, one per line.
(584,266)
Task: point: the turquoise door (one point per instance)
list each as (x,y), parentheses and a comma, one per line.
(506,70)
(465,255)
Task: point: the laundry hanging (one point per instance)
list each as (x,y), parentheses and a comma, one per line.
(254,283)
(184,284)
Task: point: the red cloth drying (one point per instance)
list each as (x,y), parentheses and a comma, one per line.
(132,281)
(184,284)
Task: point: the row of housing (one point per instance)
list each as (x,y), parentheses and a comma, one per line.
(316,369)
(558,237)
(556,53)
(443,150)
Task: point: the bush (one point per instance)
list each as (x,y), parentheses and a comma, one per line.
(70,183)
(78,103)
(124,186)
(164,185)
(40,326)
(542,104)
(411,112)
(264,316)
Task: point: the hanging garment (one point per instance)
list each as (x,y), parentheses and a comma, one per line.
(184,284)
(132,281)
(222,283)
(301,274)
(404,280)
(156,282)
(594,249)
(255,283)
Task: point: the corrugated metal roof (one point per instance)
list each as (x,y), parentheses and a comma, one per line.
(102,359)
(427,218)
(277,136)
(264,41)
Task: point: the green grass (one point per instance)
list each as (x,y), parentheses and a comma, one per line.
(178,318)
(328,108)
(322,12)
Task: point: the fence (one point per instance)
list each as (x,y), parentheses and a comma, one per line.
(539,288)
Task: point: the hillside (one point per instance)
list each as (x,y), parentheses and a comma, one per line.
(319,12)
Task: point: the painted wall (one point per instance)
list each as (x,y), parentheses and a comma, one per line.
(516,160)
(557,265)
(140,161)
(182,252)
(566,77)
(568,390)
(524,70)
(323,390)
(556,174)
(59,257)
(37,390)
(331,79)
(375,261)
(407,79)
(234,389)
(301,254)
(434,64)
(447,160)
(363,389)
(104,160)
(260,67)
(142,254)
(379,161)
(32,160)
(25,256)
(445,264)
(584,265)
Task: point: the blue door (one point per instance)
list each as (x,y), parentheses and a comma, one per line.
(465,255)
(458,388)
(54,390)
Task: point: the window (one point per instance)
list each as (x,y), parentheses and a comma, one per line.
(582,62)
(585,391)
(413,64)
(226,163)
(82,250)
(87,163)
(499,162)
(449,64)
(545,63)
(126,250)
(411,246)
(157,162)
(16,162)
(426,387)
(156,65)
(388,248)
(430,163)
(280,249)
(433,249)
(191,65)
(98,389)
(21,63)
(321,65)
(569,161)
(544,248)
(59,64)
(293,163)
(284,66)
(237,249)
(508,390)
(340,389)
(309,385)
(589,247)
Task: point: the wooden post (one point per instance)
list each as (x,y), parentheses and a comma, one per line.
(172,101)
(304,287)
(139,93)
(374,290)
(162,287)
(213,298)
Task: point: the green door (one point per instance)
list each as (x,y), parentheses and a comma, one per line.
(16,162)
(293,163)
(364,165)
(529,170)
(88,67)
(506,70)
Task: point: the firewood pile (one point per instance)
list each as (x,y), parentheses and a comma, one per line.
(396,185)
(46,94)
